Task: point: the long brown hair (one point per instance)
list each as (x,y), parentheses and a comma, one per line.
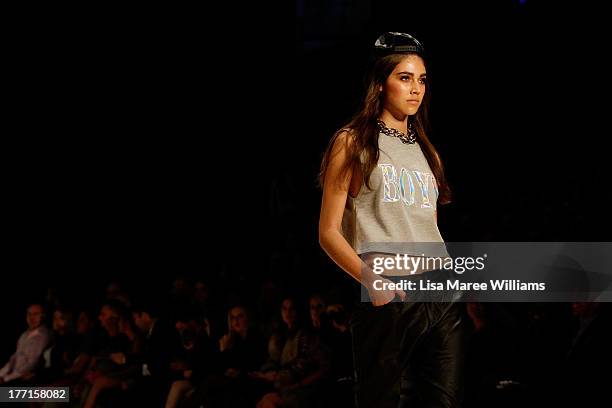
(363,131)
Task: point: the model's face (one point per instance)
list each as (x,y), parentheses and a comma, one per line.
(404,89)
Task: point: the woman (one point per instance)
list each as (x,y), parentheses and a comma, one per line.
(123,363)
(297,365)
(382,179)
(62,351)
(196,359)
(243,349)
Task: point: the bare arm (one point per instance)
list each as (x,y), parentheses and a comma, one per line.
(8,367)
(29,350)
(335,192)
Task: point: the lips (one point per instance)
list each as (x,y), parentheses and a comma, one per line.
(412,101)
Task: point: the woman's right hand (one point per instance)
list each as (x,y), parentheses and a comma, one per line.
(383,296)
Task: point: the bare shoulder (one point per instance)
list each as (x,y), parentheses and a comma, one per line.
(346,134)
(344,139)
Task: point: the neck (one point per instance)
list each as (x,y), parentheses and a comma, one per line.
(391,121)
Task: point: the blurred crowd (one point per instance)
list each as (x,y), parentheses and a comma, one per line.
(193,345)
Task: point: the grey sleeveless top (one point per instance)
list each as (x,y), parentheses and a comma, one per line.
(400,207)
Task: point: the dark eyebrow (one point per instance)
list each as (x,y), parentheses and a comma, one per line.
(409,73)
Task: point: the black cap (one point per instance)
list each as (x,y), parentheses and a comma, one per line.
(397,43)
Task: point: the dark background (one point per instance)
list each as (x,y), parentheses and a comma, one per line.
(149,143)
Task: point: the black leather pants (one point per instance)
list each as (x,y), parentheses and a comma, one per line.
(409,354)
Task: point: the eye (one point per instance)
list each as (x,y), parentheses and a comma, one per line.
(423,80)
(404,78)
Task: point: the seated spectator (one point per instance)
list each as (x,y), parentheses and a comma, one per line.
(113,340)
(197,346)
(297,363)
(63,351)
(317,309)
(243,350)
(196,358)
(21,365)
(85,336)
(319,323)
(127,362)
(108,360)
(85,329)
(161,344)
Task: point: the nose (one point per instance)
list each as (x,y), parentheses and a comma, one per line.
(415,88)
